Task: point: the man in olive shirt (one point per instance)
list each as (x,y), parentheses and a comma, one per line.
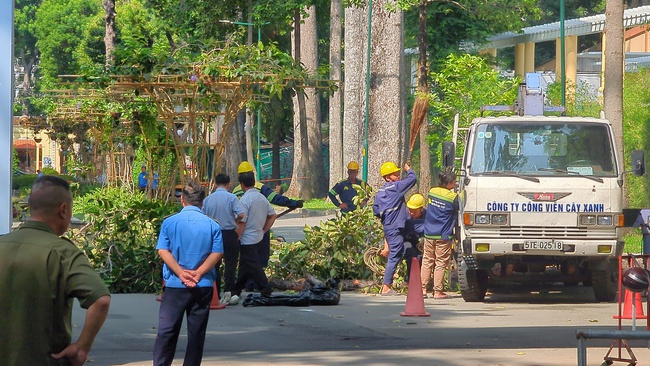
(41,274)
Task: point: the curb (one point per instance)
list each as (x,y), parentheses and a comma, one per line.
(304,212)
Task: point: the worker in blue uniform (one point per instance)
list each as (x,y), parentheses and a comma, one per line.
(345,189)
(274,198)
(413,230)
(391,209)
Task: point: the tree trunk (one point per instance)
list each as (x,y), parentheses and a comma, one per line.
(356,35)
(309,57)
(234,152)
(387,128)
(298,186)
(109,37)
(613,91)
(423,88)
(335,122)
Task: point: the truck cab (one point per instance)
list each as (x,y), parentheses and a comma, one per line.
(541,202)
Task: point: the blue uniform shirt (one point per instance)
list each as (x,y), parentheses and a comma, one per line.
(346,192)
(271,195)
(223,206)
(442,213)
(389,203)
(156,180)
(142,180)
(643,221)
(191,237)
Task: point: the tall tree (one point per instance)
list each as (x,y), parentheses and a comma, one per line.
(25,50)
(387,117)
(309,53)
(59,27)
(335,101)
(109,37)
(354,86)
(299,187)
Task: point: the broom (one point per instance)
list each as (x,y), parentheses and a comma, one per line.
(419,113)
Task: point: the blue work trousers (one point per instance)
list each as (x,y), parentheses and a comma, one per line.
(395,254)
(195,302)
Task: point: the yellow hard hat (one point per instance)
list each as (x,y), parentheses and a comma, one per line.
(416,201)
(245,167)
(388,168)
(353,165)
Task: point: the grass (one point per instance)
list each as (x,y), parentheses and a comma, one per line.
(633,242)
(321,204)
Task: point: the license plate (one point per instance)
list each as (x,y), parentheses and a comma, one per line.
(543,245)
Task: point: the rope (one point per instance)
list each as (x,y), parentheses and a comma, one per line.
(371,258)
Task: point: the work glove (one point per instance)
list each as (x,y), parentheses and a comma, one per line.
(298,204)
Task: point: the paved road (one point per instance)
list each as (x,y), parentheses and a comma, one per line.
(525,327)
(291,225)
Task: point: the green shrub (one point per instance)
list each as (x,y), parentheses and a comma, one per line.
(22,181)
(333,249)
(49,171)
(120,237)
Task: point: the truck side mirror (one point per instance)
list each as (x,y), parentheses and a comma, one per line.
(448,154)
(638,162)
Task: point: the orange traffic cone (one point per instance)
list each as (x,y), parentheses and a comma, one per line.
(414,298)
(215,304)
(627,307)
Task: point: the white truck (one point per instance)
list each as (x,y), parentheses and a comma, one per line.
(541,200)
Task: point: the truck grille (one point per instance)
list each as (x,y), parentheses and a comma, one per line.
(529,232)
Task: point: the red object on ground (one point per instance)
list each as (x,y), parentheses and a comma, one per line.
(215,304)
(414,298)
(627,307)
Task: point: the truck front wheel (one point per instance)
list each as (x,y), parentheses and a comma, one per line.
(604,278)
(473,283)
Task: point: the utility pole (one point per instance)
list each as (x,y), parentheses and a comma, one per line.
(614,69)
(6,112)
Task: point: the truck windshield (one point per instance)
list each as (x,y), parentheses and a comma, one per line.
(543,149)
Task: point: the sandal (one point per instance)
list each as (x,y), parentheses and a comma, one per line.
(441,296)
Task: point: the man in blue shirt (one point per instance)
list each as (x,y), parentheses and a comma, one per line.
(142,179)
(439,223)
(391,209)
(224,207)
(345,190)
(190,244)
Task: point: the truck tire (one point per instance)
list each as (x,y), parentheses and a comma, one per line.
(604,278)
(473,283)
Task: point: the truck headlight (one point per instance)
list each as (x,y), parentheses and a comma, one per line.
(588,220)
(499,219)
(605,220)
(482,219)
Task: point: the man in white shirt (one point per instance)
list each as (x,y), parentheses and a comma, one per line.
(259,216)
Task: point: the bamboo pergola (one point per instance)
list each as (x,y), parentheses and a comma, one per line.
(197,117)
